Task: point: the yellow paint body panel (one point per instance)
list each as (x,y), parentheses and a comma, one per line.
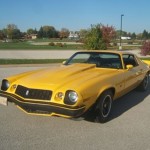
(86,80)
(147,62)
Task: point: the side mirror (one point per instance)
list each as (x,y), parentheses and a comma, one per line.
(129,67)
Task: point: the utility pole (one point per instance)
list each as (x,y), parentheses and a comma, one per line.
(120,47)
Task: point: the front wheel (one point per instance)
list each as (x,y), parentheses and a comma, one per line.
(103,107)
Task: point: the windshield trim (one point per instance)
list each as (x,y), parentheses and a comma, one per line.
(120,60)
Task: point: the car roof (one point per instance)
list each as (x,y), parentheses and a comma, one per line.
(108,51)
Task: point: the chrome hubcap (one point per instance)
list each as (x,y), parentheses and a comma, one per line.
(106,106)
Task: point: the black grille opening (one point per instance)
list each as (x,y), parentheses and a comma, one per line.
(37,94)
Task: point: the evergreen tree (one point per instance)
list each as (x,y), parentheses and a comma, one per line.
(145,35)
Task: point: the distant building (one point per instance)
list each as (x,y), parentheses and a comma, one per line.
(31,36)
(73,35)
(125,38)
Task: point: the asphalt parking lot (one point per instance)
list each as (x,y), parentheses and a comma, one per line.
(128,128)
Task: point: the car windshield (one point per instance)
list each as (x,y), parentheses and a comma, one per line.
(102,60)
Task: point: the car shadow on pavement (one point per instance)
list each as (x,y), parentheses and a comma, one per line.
(123,104)
(128,101)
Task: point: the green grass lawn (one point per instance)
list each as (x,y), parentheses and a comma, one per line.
(29,46)
(30,61)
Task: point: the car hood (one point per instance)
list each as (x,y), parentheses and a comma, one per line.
(70,76)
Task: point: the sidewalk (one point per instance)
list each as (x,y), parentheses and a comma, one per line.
(36,54)
(46,54)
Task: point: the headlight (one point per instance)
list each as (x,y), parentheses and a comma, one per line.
(71,97)
(5,85)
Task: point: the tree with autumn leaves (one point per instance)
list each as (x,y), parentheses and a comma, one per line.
(108,34)
(99,37)
(64,33)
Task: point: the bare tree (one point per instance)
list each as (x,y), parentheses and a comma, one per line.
(10,29)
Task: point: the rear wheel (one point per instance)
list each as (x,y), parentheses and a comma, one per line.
(144,84)
(103,107)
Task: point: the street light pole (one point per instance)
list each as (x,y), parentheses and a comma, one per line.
(120,47)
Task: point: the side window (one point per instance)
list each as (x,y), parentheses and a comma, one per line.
(129,59)
(110,60)
(79,58)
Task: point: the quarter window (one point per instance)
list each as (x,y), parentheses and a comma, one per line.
(129,59)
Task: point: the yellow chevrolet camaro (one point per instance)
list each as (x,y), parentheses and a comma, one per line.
(88,80)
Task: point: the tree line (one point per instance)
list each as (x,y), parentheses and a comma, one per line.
(96,37)
(12,32)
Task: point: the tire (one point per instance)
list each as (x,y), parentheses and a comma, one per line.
(144,84)
(103,107)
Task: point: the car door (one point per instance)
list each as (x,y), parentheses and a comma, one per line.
(131,76)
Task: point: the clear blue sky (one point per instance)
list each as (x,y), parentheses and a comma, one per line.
(75,14)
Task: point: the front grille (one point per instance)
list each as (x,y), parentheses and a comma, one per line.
(37,94)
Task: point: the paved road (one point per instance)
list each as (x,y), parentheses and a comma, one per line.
(43,54)
(128,129)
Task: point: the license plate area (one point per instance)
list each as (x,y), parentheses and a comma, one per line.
(3,101)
